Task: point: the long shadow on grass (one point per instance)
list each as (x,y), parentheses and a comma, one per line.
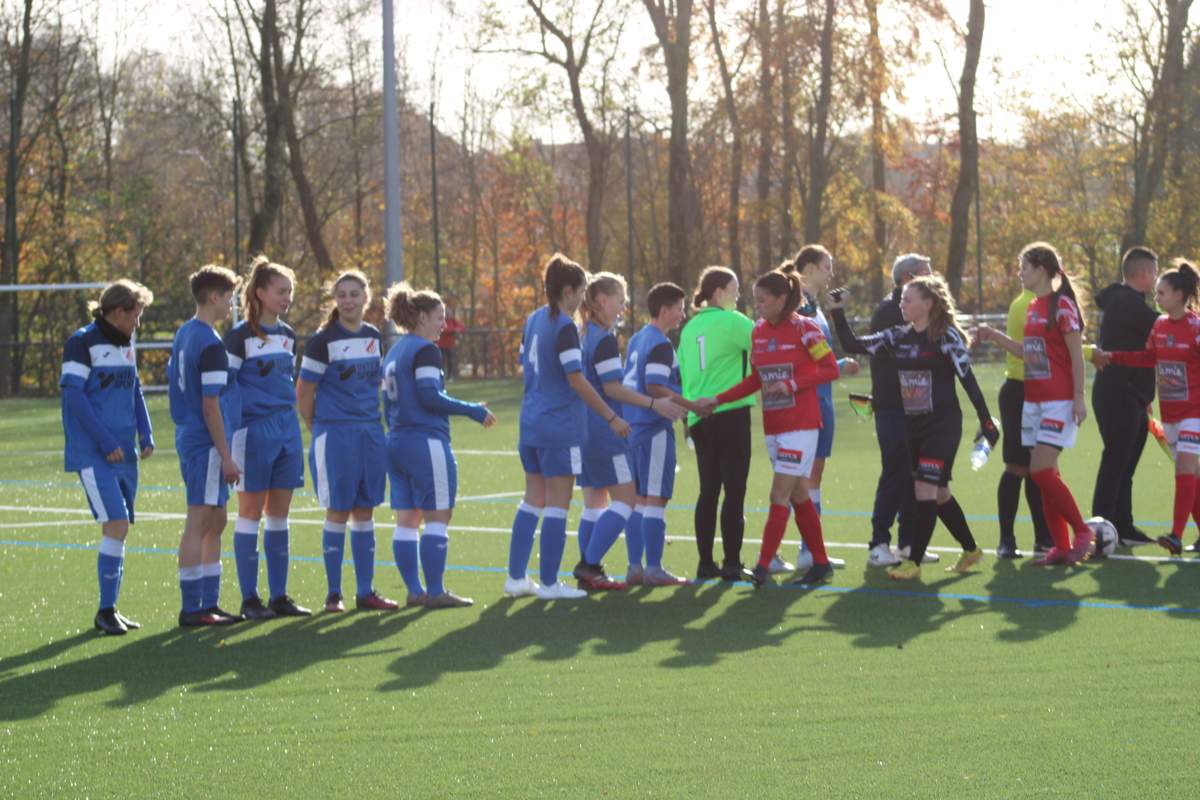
(619,623)
(1133,582)
(1030,599)
(232,659)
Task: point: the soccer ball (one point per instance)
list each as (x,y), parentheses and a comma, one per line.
(1106,537)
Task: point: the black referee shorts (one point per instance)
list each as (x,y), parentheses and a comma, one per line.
(932,444)
(1012,400)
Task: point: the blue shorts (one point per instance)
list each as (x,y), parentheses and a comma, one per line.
(110,489)
(422,472)
(828,423)
(602,470)
(270,453)
(348,463)
(654,464)
(551,462)
(202,478)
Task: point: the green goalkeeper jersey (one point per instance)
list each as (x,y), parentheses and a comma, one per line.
(714,354)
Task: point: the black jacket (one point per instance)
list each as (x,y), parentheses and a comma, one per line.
(1125,324)
(885,382)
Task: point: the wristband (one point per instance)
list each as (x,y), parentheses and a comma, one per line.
(651,406)
(610,419)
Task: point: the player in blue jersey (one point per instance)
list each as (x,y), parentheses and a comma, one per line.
(421,465)
(197,379)
(814,265)
(607,470)
(553,430)
(651,368)
(102,411)
(266,445)
(339,400)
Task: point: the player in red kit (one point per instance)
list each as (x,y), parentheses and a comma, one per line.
(789,357)
(1173,349)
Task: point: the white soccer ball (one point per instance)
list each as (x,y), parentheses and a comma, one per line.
(1106,537)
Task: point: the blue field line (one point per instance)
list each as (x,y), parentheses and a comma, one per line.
(826,511)
(991,599)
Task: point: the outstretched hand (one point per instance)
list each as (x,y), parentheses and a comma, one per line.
(1101,358)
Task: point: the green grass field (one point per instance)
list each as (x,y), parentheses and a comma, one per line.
(1007,682)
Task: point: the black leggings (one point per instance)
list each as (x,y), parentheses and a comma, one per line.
(723,459)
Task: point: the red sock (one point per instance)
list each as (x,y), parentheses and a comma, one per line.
(1058,502)
(777,520)
(1185,501)
(809,523)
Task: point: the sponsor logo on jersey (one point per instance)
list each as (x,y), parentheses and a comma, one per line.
(371,346)
(1172,381)
(772,346)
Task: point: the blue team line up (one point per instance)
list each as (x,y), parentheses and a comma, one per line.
(991,599)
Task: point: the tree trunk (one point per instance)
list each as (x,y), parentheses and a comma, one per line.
(733,215)
(968,167)
(266,215)
(10,323)
(877,79)
(787,191)
(818,158)
(766,120)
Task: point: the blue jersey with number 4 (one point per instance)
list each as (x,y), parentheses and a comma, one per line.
(552,414)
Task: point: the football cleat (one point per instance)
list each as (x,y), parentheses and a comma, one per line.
(591,578)
(1009,551)
(253,608)
(1081,549)
(633,575)
(284,606)
(223,616)
(779,566)
(881,555)
(817,573)
(108,623)
(1053,557)
(416,600)
(759,576)
(127,622)
(520,587)
(201,619)
(1133,537)
(707,571)
(334,604)
(559,591)
(375,602)
(905,571)
(657,576)
(966,561)
(448,600)
(731,571)
(1171,543)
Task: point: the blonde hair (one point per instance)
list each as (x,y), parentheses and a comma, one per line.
(262,271)
(943,316)
(405,305)
(331,287)
(123,294)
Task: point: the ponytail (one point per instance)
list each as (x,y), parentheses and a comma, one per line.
(711,279)
(405,305)
(783,282)
(1184,277)
(121,294)
(1045,257)
(331,289)
(560,274)
(262,272)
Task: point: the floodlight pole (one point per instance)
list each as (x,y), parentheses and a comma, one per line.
(393,243)
(629,217)
(437,234)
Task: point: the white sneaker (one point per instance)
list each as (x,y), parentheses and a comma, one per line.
(804,561)
(930,556)
(559,591)
(881,555)
(778,566)
(524,587)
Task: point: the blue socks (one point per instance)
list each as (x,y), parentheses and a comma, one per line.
(608,528)
(554,541)
(634,545)
(362,549)
(275,543)
(333,545)
(210,584)
(189,588)
(110,566)
(587,524)
(404,550)
(520,547)
(434,546)
(245,555)
(654,534)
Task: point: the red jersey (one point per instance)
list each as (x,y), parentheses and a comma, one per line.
(450,333)
(794,352)
(1173,349)
(1048,374)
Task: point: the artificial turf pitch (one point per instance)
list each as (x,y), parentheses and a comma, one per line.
(1010,681)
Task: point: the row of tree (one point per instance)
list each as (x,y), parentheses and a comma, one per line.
(775,124)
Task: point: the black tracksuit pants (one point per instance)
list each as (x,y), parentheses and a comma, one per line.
(1122,421)
(723,459)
